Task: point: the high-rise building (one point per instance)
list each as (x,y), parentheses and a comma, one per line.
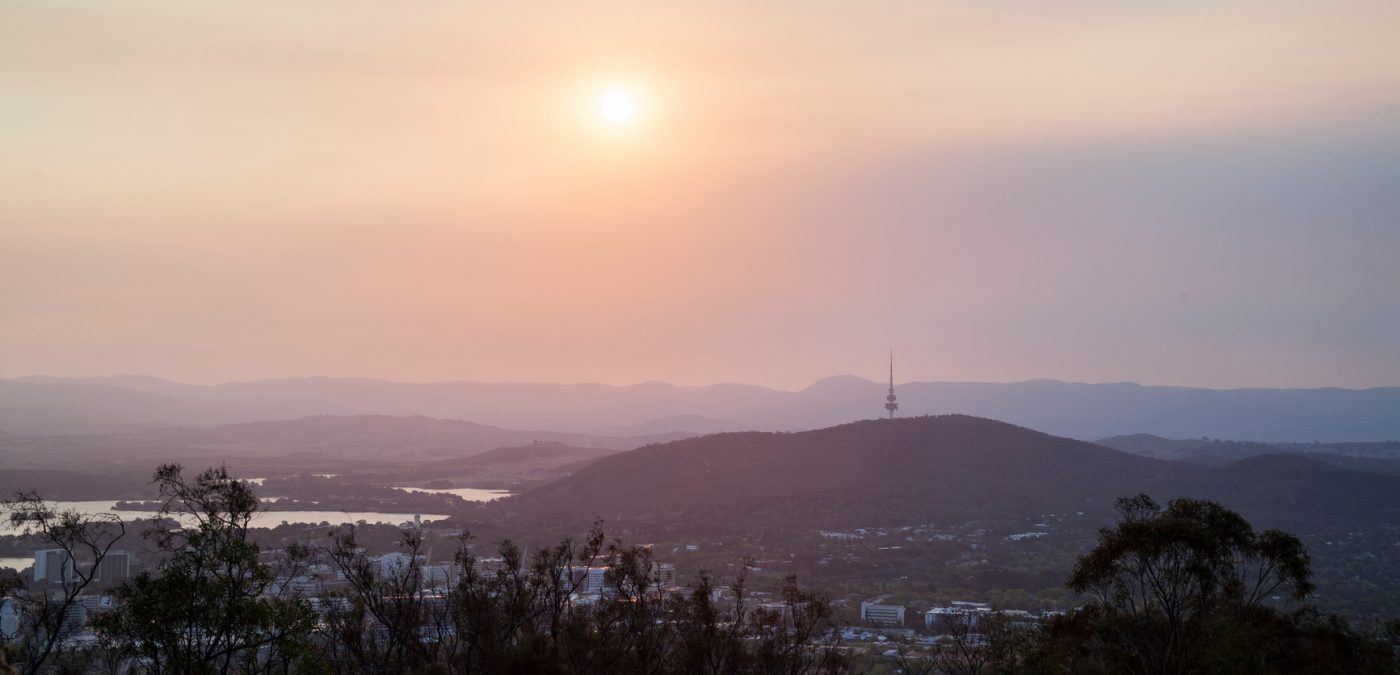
(74,618)
(53,565)
(115,566)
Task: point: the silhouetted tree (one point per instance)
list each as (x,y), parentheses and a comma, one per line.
(519,614)
(712,628)
(83,539)
(800,638)
(1189,589)
(210,607)
(1163,573)
(381,623)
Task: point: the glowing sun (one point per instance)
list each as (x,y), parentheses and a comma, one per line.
(617,106)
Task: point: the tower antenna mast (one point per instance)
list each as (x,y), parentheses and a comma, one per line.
(890,404)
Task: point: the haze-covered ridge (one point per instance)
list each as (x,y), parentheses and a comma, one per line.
(337,438)
(1078,410)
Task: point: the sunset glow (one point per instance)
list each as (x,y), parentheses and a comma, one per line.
(617,106)
(742,192)
(862,306)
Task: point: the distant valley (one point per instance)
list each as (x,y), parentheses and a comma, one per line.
(380,449)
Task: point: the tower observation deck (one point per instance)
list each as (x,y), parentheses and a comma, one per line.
(890,404)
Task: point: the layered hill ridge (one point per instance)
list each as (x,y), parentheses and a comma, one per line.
(1368,457)
(356,437)
(46,405)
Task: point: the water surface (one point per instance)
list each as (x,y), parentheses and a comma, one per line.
(469,494)
(260,519)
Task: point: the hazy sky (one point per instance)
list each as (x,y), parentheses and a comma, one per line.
(1187,192)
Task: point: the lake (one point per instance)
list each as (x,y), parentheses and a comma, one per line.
(261,519)
(469,494)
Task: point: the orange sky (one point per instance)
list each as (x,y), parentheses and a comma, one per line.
(1167,192)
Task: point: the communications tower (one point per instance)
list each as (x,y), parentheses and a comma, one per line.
(890,405)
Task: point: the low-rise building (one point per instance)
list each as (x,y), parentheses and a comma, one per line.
(881,614)
(665,574)
(585,580)
(957,617)
(9,618)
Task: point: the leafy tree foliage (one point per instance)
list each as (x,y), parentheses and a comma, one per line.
(1192,588)
(83,541)
(208,608)
(526,614)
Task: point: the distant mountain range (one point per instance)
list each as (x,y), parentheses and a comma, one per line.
(49,405)
(940,469)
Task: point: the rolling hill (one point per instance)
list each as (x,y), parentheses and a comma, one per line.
(511,466)
(950,468)
(863,473)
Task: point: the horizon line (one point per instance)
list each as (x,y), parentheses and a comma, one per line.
(42,378)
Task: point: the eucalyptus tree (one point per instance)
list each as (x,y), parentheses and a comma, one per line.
(1164,581)
(211,606)
(81,541)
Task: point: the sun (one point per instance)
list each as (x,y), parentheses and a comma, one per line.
(617,106)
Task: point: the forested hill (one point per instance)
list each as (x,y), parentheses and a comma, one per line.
(919,470)
(871,472)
